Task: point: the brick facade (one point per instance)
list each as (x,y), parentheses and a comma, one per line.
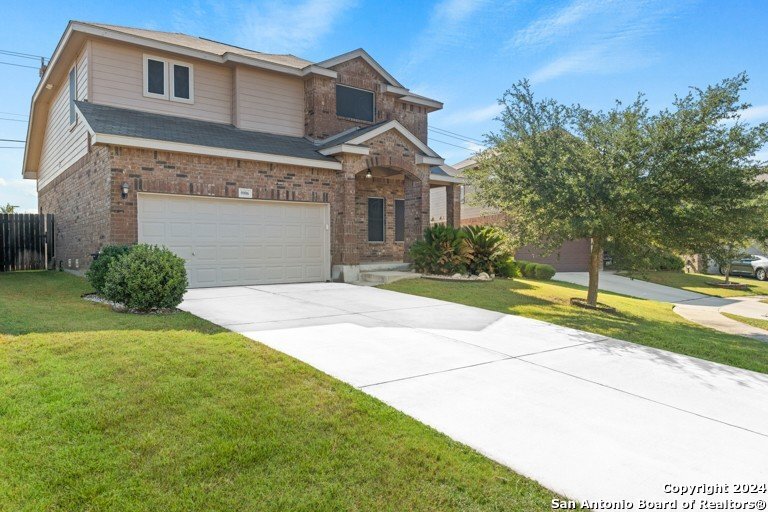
(79,198)
(91,212)
(146,170)
(321,121)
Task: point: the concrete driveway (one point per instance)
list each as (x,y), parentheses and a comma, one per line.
(587,416)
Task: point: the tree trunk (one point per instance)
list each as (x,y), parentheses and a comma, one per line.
(595,260)
(728,273)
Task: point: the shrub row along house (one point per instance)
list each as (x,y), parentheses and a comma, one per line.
(253,167)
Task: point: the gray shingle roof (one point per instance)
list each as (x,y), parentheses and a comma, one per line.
(132,123)
(335,141)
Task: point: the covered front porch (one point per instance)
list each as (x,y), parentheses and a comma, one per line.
(382,202)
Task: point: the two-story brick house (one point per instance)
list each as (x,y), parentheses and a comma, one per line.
(254,167)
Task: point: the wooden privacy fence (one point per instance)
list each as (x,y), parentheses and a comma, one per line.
(26,241)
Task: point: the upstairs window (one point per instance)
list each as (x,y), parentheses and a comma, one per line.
(375,219)
(354,103)
(168,80)
(72,95)
(181,82)
(154,78)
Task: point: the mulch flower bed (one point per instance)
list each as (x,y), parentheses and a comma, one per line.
(729,286)
(122,308)
(459,277)
(582,303)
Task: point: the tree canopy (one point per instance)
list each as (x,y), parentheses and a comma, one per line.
(676,179)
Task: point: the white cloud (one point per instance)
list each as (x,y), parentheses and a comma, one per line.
(755,113)
(544,29)
(287,27)
(274,26)
(590,36)
(448,26)
(474,115)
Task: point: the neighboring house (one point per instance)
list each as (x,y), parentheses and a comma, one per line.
(254,167)
(572,256)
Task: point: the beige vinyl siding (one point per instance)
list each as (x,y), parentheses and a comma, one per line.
(64,144)
(437,205)
(118,80)
(269,102)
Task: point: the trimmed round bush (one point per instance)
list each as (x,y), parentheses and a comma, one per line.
(148,277)
(532,270)
(97,273)
(544,272)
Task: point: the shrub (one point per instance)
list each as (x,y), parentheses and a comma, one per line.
(509,268)
(540,271)
(488,249)
(544,272)
(444,250)
(97,273)
(148,277)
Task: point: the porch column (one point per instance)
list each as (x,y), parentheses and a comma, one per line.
(344,250)
(416,211)
(453,205)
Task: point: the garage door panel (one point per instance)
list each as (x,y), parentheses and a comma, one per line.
(233,242)
(292,231)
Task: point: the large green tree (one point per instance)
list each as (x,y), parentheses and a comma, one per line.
(668,180)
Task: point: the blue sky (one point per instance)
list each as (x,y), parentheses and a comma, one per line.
(462,52)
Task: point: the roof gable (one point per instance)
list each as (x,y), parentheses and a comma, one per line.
(361,54)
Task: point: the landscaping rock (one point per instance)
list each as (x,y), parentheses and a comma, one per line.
(483,276)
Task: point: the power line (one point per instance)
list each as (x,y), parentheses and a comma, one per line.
(454,145)
(12,114)
(454,135)
(11,140)
(11,147)
(19,65)
(9,119)
(22,55)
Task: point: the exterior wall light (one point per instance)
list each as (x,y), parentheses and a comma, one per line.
(124,190)
(368,174)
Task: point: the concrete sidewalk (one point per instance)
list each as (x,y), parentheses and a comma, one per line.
(587,416)
(614,283)
(695,307)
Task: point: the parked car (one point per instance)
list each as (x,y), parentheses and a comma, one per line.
(751,265)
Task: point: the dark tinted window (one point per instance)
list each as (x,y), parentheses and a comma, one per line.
(155,76)
(181,81)
(399,220)
(354,103)
(72,95)
(375,219)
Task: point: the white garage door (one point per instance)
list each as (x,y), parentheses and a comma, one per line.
(228,242)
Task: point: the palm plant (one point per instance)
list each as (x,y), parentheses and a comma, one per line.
(488,246)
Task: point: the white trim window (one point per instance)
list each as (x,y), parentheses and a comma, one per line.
(72,95)
(166,79)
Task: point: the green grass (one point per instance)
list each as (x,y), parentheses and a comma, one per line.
(698,283)
(640,321)
(754,322)
(109,411)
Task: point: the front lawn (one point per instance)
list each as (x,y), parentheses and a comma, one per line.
(108,411)
(698,283)
(641,321)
